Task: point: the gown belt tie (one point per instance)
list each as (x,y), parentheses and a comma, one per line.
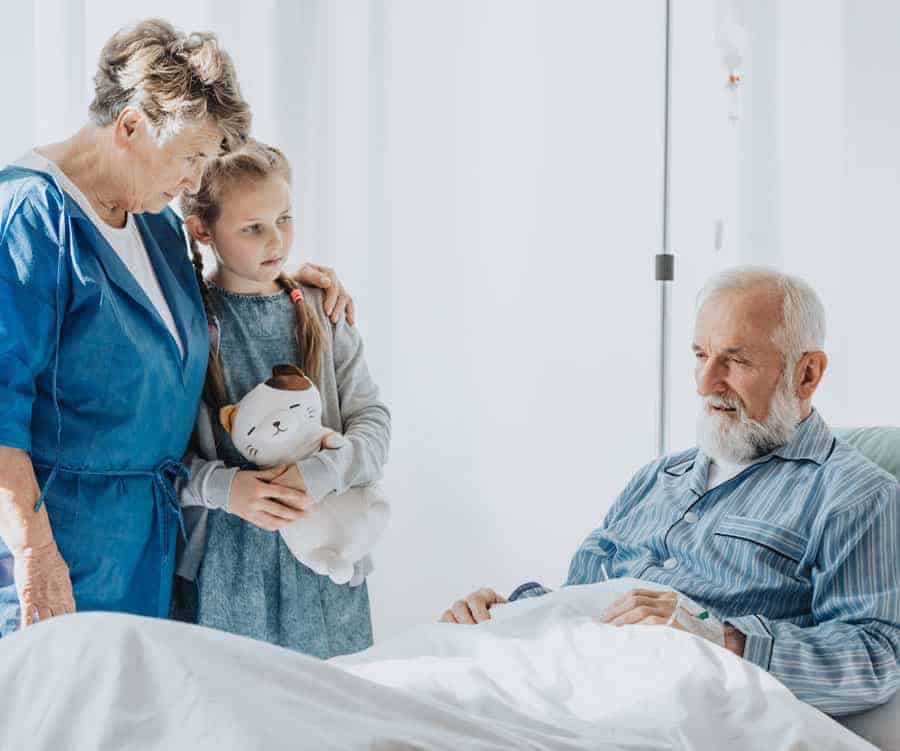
(164,475)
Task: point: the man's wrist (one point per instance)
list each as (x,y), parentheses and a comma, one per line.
(735,641)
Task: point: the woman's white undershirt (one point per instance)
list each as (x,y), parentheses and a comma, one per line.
(126,242)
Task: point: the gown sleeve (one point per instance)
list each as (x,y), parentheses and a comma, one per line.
(31,289)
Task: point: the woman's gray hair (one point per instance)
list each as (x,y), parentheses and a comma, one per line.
(802,326)
(175,79)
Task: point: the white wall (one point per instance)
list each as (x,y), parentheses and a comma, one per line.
(705,217)
(486,178)
(830,154)
(17,121)
(522,169)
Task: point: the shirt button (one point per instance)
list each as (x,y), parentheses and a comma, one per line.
(670,563)
(691,518)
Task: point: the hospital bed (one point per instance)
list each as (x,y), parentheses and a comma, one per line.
(882,445)
(535,677)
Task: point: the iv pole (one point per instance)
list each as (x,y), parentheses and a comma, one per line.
(665,263)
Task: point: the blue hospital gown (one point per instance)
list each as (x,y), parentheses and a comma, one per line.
(94,387)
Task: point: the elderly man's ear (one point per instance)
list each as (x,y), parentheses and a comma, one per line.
(808,374)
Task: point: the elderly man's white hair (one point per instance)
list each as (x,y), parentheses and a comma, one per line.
(802,326)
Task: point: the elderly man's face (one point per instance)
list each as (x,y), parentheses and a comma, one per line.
(735,355)
(749,405)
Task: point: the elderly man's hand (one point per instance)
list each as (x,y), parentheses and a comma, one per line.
(474,608)
(652,607)
(337,299)
(645,606)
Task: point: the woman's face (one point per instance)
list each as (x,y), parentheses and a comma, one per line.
(156,174)
(253,234)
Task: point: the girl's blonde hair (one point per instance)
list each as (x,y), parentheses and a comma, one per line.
(252,162)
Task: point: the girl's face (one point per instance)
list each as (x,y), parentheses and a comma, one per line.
(253,235)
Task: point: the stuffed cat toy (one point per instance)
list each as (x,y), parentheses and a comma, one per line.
(279,422)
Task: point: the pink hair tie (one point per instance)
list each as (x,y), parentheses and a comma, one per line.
(296,296)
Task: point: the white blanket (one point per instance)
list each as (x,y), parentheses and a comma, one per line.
(541,675)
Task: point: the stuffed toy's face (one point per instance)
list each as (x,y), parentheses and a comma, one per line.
(275,421)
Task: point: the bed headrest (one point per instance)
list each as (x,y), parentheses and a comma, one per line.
(881,725)
(880,445)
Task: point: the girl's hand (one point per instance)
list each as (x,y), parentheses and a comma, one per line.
(333,440)
(291,477)
(256,499)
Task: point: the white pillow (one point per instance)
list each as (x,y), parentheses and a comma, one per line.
(879,726)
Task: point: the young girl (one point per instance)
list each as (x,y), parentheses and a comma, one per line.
(247,581)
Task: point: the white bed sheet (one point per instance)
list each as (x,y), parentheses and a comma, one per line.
(542,675)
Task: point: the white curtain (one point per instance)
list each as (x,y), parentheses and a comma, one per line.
(485,175)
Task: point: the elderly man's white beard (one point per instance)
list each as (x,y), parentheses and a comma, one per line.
(738,439)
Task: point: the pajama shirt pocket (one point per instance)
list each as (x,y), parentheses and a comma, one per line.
(771,547)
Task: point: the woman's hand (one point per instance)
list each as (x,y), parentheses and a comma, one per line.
(474,608)
(41,575)
(337,299)
(256,499)
(43,584)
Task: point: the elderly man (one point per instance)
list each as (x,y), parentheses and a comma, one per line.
(787,535)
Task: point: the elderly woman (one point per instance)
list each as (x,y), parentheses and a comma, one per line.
(103,338)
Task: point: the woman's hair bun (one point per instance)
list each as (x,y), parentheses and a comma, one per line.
(175,79)
(202,53)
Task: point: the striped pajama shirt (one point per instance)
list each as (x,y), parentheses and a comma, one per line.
(800,552)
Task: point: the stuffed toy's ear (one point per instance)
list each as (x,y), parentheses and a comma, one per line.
(227,415)
(288,378)
(287,370)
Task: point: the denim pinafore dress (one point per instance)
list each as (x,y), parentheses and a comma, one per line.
(249,583)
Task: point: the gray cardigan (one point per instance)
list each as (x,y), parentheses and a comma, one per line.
(350,405)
